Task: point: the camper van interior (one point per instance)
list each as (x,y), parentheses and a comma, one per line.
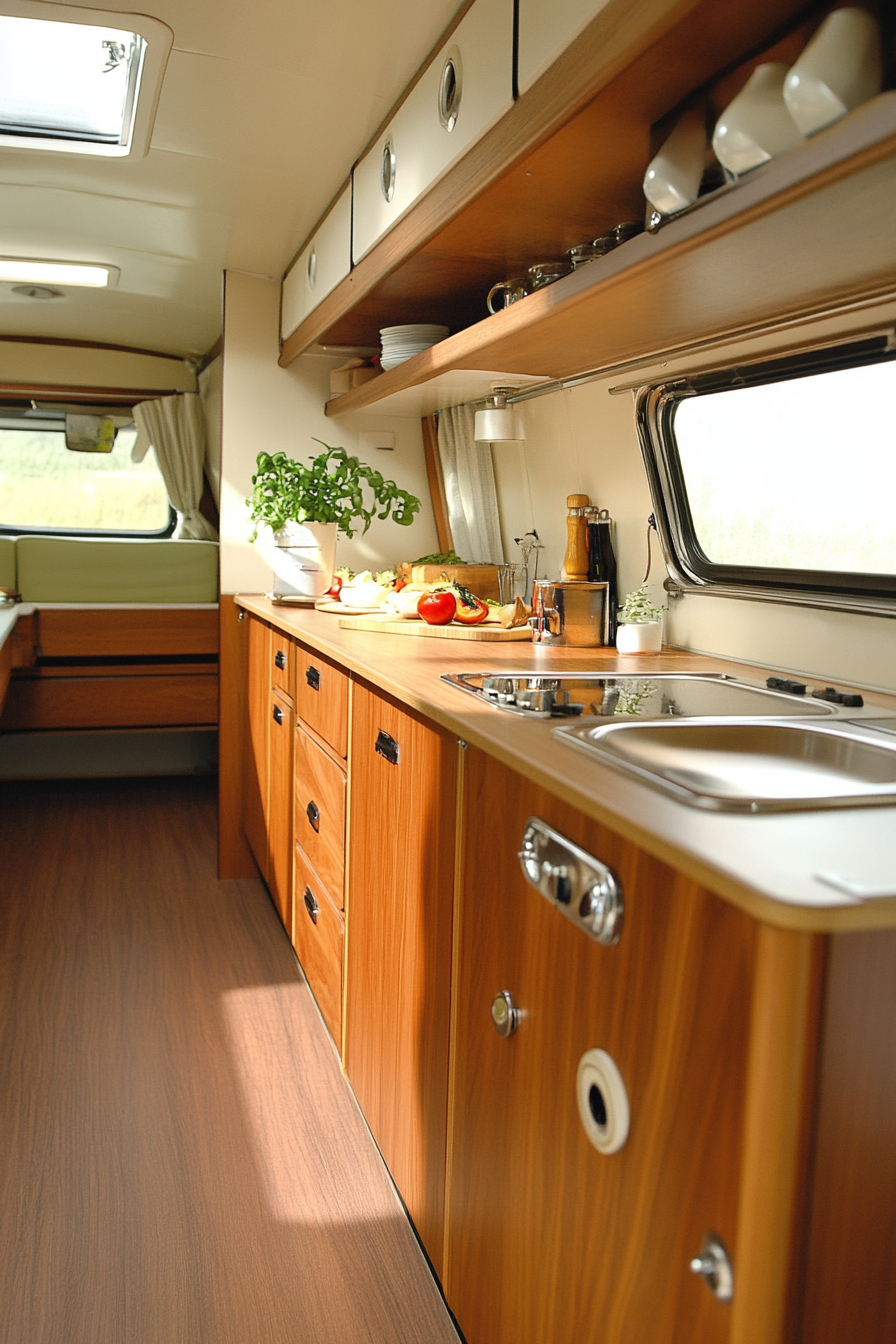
(447,672)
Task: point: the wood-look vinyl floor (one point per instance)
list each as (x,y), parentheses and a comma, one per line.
(181,1161)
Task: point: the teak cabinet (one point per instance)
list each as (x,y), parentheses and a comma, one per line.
(758,1062)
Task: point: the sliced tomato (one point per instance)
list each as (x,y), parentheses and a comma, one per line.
(470,608)
(437,608)
(335,587)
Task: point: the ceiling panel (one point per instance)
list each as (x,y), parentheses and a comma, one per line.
(263,110)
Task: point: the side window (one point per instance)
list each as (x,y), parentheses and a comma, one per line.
(781,474)
(47,487)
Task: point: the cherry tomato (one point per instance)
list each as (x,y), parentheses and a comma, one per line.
(437,608)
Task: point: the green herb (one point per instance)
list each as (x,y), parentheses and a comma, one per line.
(336,488)
(448,558)
(637,609)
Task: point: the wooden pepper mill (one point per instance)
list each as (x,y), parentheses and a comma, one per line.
(575,564)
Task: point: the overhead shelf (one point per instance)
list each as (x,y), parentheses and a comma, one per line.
(805,233)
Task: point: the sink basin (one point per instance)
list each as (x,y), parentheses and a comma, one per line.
(754,766)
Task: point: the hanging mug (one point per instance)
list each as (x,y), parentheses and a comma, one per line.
(512,290)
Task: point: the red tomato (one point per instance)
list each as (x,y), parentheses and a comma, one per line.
(471,614)
(437,608)
(335,587)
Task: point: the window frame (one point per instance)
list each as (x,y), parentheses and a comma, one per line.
(689,568)
(129,534)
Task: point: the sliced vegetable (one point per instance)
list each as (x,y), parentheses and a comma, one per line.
(437,608)
(471,610)
(333,590)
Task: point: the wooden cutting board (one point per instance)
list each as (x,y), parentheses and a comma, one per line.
(386,625)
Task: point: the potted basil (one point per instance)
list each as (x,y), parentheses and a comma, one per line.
(303,508)
(640,627)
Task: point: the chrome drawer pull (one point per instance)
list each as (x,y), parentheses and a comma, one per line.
(311,905)
(312,812)
(386,747)
(280,659)
(312,676)
(278,714)
(587,891)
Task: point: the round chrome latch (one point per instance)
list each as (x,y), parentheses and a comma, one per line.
(713,1265)
(505,1014)
(603,1101)
(312,268)
(450,90)
(387,170)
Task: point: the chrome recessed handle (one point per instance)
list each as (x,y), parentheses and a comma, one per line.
(714,1266)
(312,676)
(277,714)
(312,812)
(280,659)
(387,747)
(506,1016)
(450,90)
(387,170)
(583,888)
(311,905)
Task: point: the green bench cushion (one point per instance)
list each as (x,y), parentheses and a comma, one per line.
(75,569)
(7,562)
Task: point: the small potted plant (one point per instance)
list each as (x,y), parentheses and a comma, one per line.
(305,508)
(640,624)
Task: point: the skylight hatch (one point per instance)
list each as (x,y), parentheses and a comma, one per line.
(66,79)
(68,83)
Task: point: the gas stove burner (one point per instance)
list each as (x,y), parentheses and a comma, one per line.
(663,695)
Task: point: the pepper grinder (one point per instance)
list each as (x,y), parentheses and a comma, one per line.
(575,563)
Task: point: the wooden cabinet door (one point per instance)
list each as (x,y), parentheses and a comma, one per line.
(282,728)
(548,1240)
(320,812)
(255,765)
(403,776)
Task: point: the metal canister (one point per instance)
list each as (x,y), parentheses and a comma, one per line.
(573,614)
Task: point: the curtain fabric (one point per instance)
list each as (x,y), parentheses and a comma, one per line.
(175,427)
(469,478)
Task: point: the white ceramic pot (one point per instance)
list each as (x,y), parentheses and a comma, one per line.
(303,558)
(644,638)
(839,69)
(756,125)
(673,177)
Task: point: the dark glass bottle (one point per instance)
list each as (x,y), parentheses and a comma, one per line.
(602,560)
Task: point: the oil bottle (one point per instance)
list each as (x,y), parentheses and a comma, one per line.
(602,560)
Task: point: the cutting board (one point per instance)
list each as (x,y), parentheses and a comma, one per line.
(386,625)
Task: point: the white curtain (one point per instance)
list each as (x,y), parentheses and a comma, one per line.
(175,427)
(469,478)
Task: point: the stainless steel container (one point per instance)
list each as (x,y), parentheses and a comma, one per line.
(574,614)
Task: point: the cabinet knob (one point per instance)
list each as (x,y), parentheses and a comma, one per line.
(311,905)
(312,812)
(280,659)
(506,1016)
(241,616)
(277,714)
(713,1265)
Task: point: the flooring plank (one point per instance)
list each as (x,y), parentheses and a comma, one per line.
(181,1160)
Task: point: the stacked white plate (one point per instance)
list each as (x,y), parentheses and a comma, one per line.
(401,343)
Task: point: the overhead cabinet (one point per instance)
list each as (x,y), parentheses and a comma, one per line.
(546,30)
(463,91)
(324,261)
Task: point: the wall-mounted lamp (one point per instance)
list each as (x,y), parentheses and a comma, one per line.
(497,422)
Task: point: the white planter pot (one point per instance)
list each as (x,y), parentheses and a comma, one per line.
(303,558)
(646,638)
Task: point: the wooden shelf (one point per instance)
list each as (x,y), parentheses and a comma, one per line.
(562,166)
(808,232)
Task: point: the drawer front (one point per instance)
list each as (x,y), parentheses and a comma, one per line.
(318,937)
(283,656)
(322,699)
(320,813)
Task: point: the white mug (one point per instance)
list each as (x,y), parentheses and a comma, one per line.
(756,125)
(840,68)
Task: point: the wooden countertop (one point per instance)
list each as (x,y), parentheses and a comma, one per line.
(765,864)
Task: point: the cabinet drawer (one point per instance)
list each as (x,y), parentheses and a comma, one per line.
(322,698)
(547,30)
(318,935)
(283,654)
(320,812)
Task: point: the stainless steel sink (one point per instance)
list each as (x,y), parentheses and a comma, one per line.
(740,766)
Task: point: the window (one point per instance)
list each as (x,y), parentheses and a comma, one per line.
(779,475)
(69,84)
(46,487)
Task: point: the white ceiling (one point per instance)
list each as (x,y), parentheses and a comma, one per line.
(263,110)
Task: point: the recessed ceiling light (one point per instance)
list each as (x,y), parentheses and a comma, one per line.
(67,83)
(18,270)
